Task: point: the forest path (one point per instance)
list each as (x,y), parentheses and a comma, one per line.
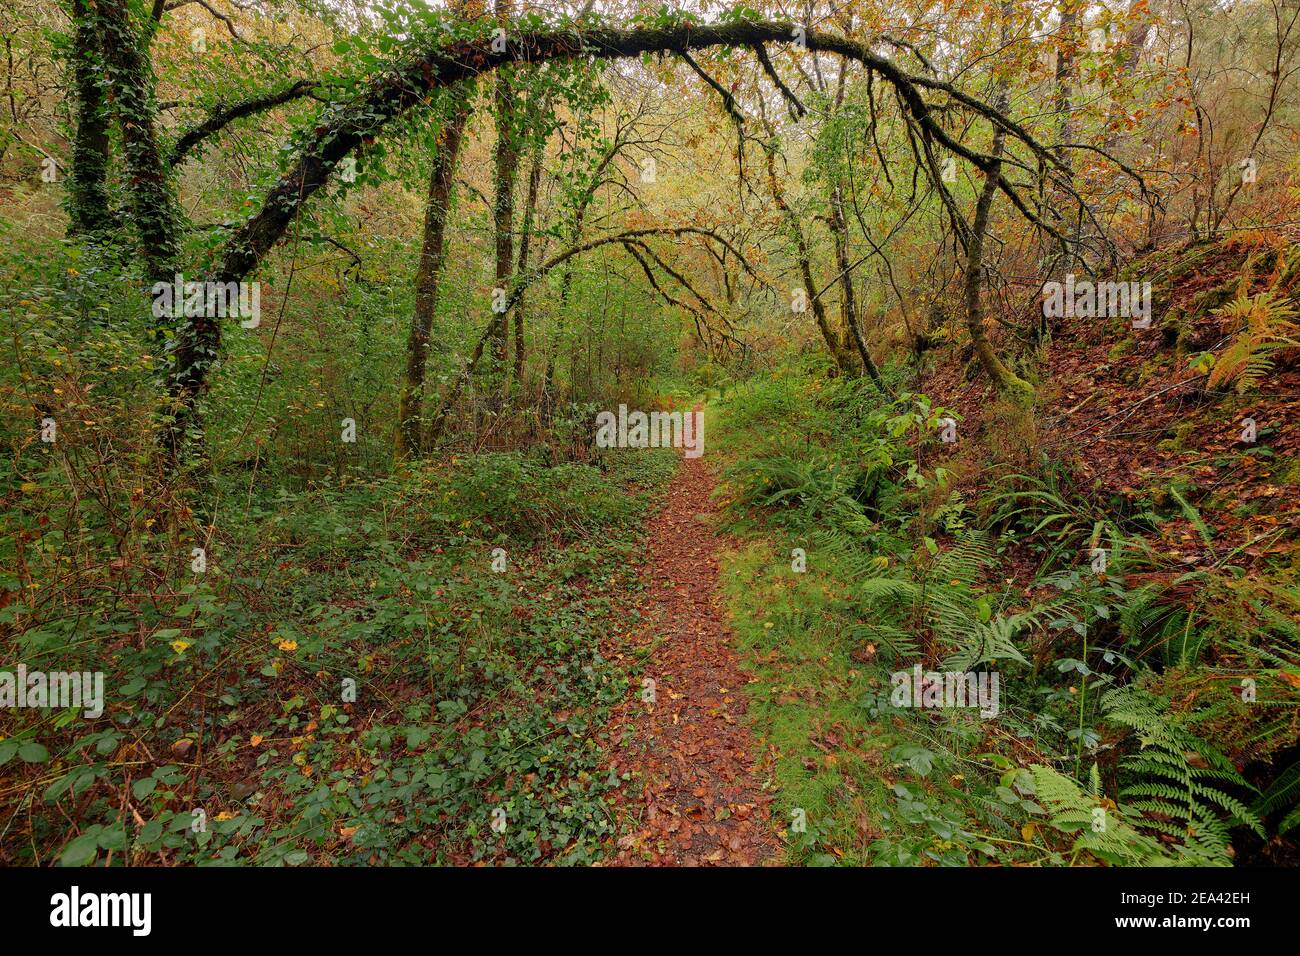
(691,748)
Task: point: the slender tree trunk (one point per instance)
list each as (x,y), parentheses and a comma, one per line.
(506,164)
(88,211)
(525,240)
(1066,43)
(566,287)
(442,179)
(848,301)
(548,380)
(1004,380)
(839,352)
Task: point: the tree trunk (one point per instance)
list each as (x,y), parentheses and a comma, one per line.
(87,187)
(1066,43)
(839,351)
(158,218)
(525,241)
(848,302)
(506,164)
(153,202)
(442,179)
(1004,380)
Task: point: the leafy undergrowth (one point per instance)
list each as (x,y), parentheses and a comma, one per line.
(1146,713)
(357,676)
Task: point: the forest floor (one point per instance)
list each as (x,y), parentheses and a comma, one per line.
(686,737)
(1123,409)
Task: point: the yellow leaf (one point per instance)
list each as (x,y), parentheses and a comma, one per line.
(254,740)
(1027,831)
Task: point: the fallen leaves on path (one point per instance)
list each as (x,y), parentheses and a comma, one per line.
(691,749)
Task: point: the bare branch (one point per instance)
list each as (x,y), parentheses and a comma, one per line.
(797,110)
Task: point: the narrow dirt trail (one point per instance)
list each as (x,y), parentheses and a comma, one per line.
(692,749)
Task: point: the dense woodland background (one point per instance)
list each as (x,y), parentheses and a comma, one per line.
(475,227)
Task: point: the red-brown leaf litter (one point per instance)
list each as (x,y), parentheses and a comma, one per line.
(700,801)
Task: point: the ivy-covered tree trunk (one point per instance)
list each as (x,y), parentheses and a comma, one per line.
(442,179)
(156,213)
(153,202)
(87,198)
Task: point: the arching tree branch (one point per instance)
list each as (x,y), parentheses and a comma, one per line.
(223,116)
(344,127)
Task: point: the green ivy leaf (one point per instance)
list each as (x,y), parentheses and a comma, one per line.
(32,752)
(81,851)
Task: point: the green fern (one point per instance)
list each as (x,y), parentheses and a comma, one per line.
(1040,505)
(1151,623)
(1195,518)
(1176,797)
(1283,791)
(944,596)
(889,596)
(1109,835)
